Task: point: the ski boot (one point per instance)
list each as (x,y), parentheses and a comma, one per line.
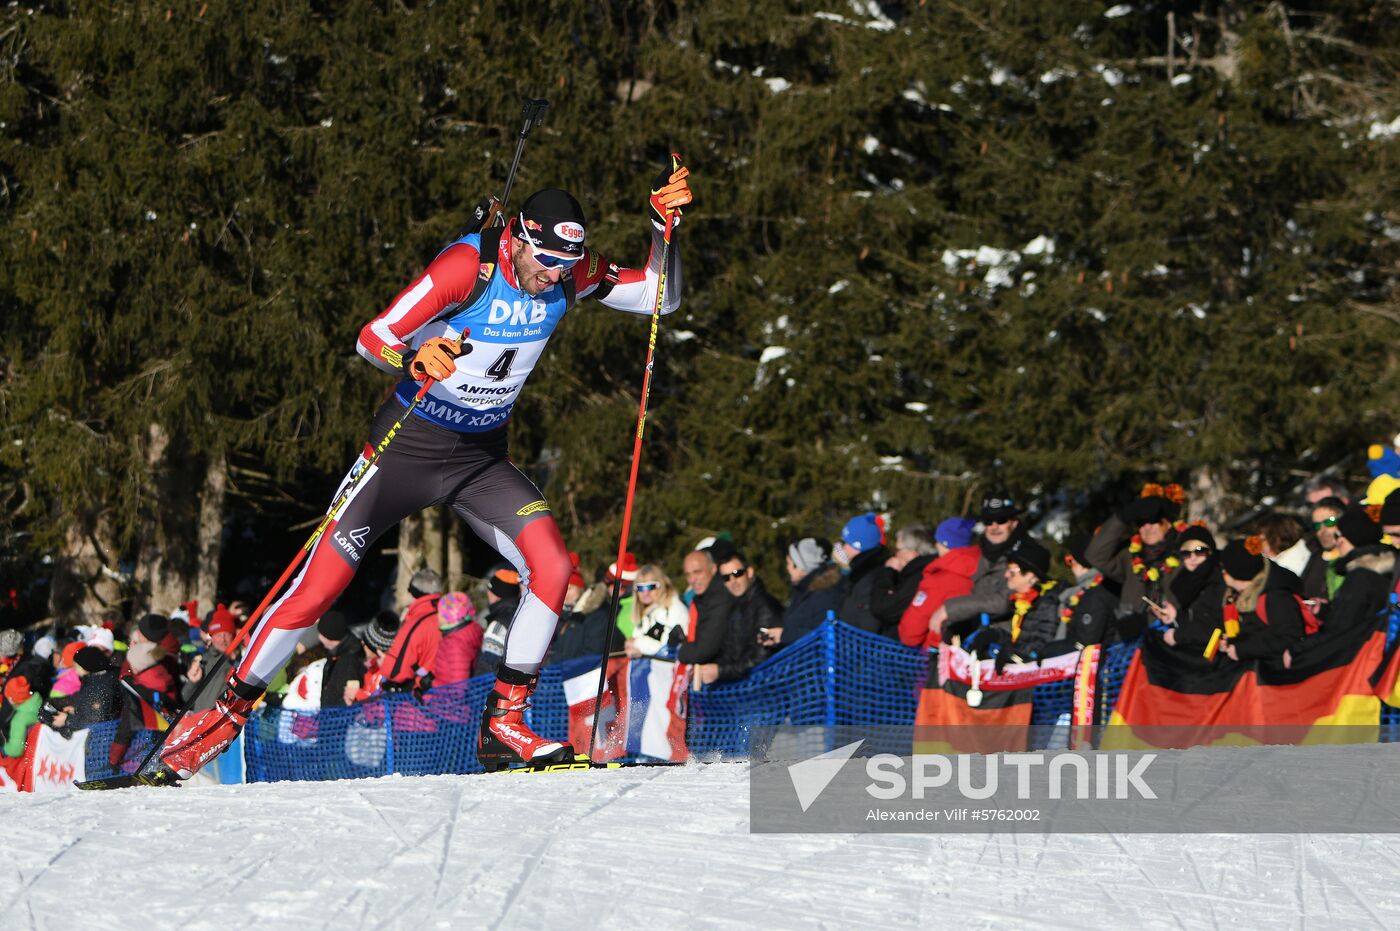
(504,738)
(204,735)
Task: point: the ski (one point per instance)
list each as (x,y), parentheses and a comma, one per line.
(159,778)
(579,762)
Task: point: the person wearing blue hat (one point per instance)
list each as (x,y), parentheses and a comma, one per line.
(948,575)
(862,549)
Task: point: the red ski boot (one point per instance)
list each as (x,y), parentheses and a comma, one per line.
(504,737)
(204,735)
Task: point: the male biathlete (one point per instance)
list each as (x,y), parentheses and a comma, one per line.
(475,323)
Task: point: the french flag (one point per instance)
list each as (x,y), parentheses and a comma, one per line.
(642,713)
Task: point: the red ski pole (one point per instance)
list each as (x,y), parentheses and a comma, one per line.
(632,479)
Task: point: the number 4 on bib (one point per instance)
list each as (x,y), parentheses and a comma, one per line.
(500,369)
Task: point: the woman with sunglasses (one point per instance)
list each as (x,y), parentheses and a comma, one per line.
(1196,594)
(472,326)
(657,612)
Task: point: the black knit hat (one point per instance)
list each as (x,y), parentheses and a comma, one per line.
(1078,547)
(1390,510)
(333,626)
(1239,562)
(91,659)
(154,627)
(1358,528)
(1197,533)
(1030,556)
(505,584)
(551,219)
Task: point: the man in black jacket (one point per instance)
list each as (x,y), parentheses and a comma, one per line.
(1366,565)
(818,589)
(897,581)
(755,612)
(710,610)
(344,672)
(862,549)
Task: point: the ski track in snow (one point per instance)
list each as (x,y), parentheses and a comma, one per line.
(663,847)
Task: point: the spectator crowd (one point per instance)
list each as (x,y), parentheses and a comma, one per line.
(986,583)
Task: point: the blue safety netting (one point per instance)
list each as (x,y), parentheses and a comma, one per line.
(835,677)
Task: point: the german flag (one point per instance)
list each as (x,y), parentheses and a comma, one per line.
(1385,684)
(968,707)
(1177,698)
(1328,693)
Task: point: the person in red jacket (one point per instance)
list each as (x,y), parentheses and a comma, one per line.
(408,663)
(461,639)
(948,576)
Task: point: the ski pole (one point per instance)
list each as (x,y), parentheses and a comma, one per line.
(336,507)
(490,212)
(632,478)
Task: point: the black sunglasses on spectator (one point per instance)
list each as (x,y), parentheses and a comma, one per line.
(1198,551)
(736,573)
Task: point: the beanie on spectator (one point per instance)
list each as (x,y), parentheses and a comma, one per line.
(102,638)
(864,532)
(1381,488)
(379,635)
(1242,559)
(1390,510)
(575,577)
(1077,546)
(222,621)
(1199,534)
(629,569)
(955,532)
(454,608)
(44,646)
(333,626)
(722,550)
(11,642)
(1358,528)
(91,659)
(69,652)
(424,582)
(17,690)
(1031,556)
(154,627)
(809,553)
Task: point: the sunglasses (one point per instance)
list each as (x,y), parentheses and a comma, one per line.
(737,573)
(1325,522)
(549,259)
(1198,551)
(647,586)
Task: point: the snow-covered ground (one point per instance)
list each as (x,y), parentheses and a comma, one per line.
(630,848)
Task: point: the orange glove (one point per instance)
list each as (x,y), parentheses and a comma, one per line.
(437,358)
(669,192)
